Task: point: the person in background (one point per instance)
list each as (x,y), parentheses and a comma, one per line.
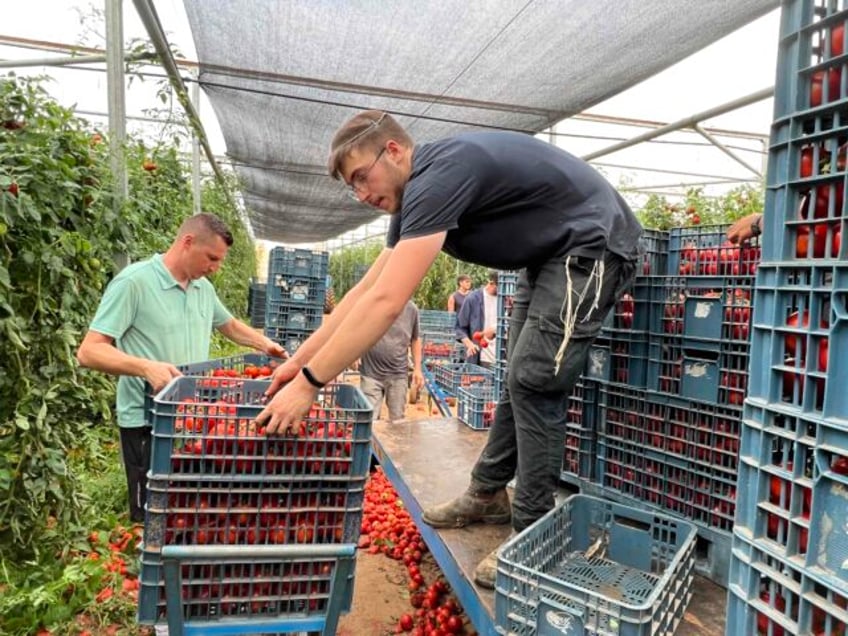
(479,315)
(463,288)
(384,370)
(154,315)
(745,228)
(507,201)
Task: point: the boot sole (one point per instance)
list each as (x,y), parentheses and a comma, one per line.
(460,522)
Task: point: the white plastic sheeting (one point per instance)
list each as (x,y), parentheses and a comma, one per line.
(283,74)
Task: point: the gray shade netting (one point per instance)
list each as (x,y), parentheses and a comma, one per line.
(282,75)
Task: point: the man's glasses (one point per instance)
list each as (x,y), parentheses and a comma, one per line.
(360,177)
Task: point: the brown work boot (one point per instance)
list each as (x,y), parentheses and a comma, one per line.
(487,570)
(470,508)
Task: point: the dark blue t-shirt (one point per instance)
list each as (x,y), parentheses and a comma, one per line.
(508,200)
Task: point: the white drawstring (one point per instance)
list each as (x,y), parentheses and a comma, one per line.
(568,311)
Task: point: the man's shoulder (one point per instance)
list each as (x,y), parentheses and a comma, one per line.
(136,270)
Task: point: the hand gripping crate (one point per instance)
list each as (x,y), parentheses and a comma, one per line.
(591,566)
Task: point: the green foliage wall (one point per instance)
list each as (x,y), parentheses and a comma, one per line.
(58,236)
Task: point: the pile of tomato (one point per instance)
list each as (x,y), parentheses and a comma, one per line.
(250,372)
(388,528)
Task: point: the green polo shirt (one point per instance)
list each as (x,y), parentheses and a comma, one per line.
(150,316)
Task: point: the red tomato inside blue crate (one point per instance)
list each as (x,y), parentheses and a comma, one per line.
(214,437)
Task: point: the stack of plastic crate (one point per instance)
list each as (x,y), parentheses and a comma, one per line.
(788,571)
(507,280)
(670,410)
(620,353)
(256,292)
(438,336)
(296,290)
(247,531)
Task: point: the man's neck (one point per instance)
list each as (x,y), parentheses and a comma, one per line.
(171,263)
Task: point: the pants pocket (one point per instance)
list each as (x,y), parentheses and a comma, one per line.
(533,363)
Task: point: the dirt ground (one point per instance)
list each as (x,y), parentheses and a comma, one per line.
(380,594)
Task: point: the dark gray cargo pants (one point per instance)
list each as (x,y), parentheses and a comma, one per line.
(527,438)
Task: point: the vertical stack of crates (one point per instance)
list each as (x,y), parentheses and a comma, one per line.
(672,367)
(476,404)
(789,565)
(262,529)
(507,280)
(297,287)
(438,336)
(256,293)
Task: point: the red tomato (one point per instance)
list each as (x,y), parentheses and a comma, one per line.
(806,161)
(837,40)
(816,82)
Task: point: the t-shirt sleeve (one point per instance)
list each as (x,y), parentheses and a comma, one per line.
(434,200)
(117,309)
(220,314)
(415,324)
(393,233)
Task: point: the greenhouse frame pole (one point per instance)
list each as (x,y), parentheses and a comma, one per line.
(73,59)
(687,122)
(195,151)
(117,109)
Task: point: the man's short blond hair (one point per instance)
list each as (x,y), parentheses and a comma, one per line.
(368,130)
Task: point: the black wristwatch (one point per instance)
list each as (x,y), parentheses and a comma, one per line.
(756,226)
(312,379)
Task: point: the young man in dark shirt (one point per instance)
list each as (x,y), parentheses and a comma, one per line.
(505,201)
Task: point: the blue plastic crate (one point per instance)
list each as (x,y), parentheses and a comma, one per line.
(290,339)
(654,254)
(622,359)
(631,313)
(235,366)
(675,455)
(799,318)
(288,261)
(476,405)
(203,427)
(256,293)
(293,316)
(804,207)
(703,251)
(237,363)
(451,376)
(578,461)
(205,511)
(770,595)
(436,320)
(293,290)
(640,584)
(246,589)
(438,346)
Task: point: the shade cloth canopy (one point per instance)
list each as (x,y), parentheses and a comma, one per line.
(282,75)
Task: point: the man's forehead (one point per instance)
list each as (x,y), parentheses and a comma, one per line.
(355,158)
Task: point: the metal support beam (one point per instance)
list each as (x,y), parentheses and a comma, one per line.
(195,153)
(78,59)
(150,20)
(726,150)
(117,109)
(687,122)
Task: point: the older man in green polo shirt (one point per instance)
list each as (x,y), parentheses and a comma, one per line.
(154,315)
